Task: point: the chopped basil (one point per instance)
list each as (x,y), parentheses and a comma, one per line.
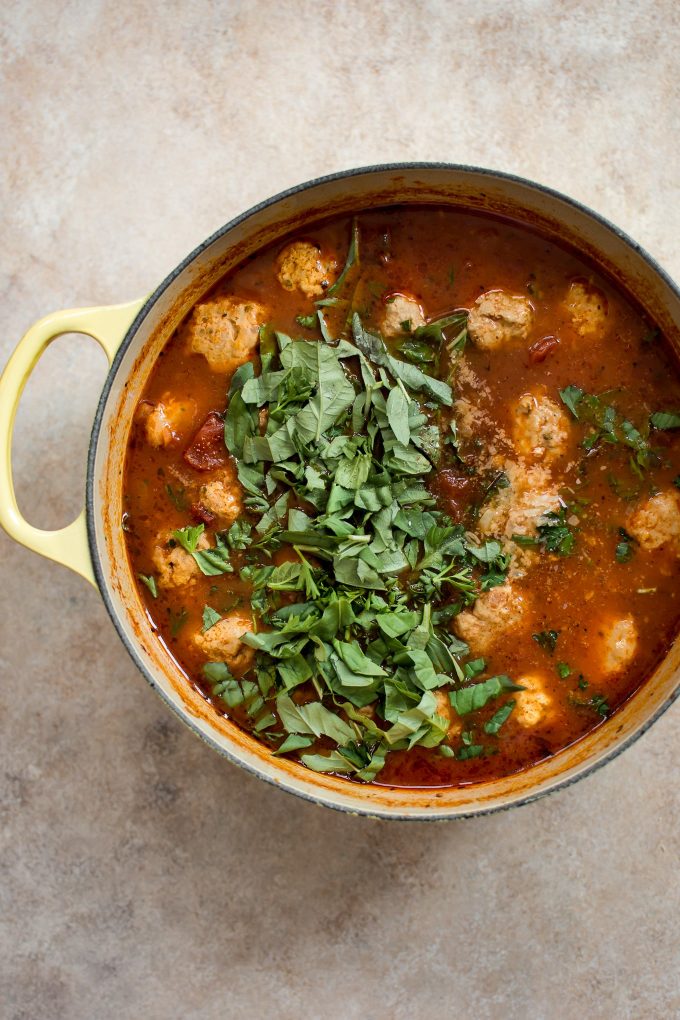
(563,670)
(307,321)
(597,703)
(177,497)
(210,618)
(665,420)
(469,699)
(625,547)
(150,581)
(378,571)
(555,534)
(177,620)
(547,640)
(500,716)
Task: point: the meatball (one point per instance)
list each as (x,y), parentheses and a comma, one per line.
(517,509)
(176,567)
(225,331)
(300,266)
(540,428)
(498,318)
(619,642)
(166,421)
(222,643)
(656,523)
(493,615)
(586,307)
(532,705)
(401,314)
(222,497)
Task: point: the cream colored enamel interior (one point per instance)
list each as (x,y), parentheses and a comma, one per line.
(457,187)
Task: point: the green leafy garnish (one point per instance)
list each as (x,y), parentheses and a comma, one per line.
(210,618)
(351,260)
(608,427)
(469,699)
(177,620)
(150,581)
(597,703)
(554,532)
(563,670)
(353,638)
(665,420)
(177,497)
(211,562)
(625,547)
(307,321)
(547,640)
(500,716)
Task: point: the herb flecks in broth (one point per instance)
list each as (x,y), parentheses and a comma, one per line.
(419,539)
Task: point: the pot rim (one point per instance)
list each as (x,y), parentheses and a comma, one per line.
(368,811)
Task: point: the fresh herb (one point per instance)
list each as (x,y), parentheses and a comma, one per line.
(210,618)
(211,562)
(500,716)
(547,640)
(150,581)
(177,497)
(351,434)
(608,427)
(307,321)
(555,534)
(563,670)
(177,620)
(625,547)
(665,420)
(469,699)
(597,703)
(351,260)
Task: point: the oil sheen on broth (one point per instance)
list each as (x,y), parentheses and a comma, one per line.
(446,512)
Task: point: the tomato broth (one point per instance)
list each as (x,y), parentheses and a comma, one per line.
(402,497)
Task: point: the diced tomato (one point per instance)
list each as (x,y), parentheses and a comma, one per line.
(206,450)
(456,492)
(539,351)
(202,515)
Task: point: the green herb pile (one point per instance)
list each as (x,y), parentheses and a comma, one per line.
(333,441)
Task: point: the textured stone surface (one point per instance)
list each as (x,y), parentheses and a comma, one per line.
(142,876)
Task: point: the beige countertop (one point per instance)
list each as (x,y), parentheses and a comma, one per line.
(141,875)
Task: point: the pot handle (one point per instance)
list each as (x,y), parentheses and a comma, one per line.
(108,326)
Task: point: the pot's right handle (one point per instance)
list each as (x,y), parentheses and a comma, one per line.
(108,326)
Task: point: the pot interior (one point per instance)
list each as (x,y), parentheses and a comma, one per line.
(548,213)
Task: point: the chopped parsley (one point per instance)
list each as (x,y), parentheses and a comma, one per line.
(547,640)
(626,546)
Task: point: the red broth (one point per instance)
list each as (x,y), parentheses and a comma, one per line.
(546,458)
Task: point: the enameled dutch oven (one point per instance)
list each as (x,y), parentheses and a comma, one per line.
(133,334)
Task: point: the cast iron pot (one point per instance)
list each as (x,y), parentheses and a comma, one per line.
(133,334)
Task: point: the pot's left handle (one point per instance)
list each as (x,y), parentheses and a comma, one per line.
(108,326)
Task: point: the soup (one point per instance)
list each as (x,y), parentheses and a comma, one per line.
(402,496)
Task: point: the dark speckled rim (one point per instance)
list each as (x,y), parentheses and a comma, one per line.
(481,172)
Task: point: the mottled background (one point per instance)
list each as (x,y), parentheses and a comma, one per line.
(143,876)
